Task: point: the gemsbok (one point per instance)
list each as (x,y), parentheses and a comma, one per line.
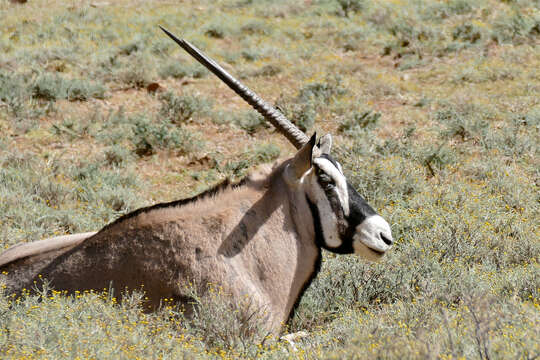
(261,237)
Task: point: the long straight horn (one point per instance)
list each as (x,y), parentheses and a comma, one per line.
(281,123)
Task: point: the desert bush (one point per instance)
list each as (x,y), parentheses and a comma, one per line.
(109,187)
(267,70)
(250,121)
(514,27)
(178,70)
(447,9)
(301,114)
(239,167)
(83,324)
(241,325)
(135,45)
(350,6)
(359,121)
(16,97)
(252,55)
(302,109)
(265,153)
(61,196)
(451,163)
(256,28)
(71,127)
(14,93)
(467,33)
(147,136)
(464,124)
(134,70)
(52,87)
(322,92)
(516,138)
(117,155)
(218,29)
(180,109)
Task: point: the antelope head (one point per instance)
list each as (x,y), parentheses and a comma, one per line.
(344,222)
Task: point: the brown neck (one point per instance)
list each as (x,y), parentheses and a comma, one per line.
(286,257)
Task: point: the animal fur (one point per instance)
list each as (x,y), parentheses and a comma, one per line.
(251,239)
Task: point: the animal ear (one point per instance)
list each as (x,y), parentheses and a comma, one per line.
(325,144)
(302,161)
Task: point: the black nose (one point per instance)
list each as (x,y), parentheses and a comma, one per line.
(386,240)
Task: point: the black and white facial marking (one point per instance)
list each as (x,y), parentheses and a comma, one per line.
(344,221)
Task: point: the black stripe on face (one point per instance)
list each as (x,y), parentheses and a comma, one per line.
(319,239)
(359,209)
(345,247)
(327,184)
(330,187)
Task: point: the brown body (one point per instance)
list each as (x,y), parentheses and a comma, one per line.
(250,240)
(261,240)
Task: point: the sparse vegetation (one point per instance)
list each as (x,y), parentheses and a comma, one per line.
(180,109)
(53,87)
(178,70)
(435,113)
(250,122)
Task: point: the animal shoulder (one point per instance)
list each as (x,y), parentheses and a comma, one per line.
(217,199)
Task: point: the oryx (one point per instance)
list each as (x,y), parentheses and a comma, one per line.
(261,237)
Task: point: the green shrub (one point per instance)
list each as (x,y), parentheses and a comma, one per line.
(265,153)
(241,325)
(135,45)
(73,128)
(350,6)
(359,121)
(252,55)
(61,196)
(178,70)
(447,9)
(465,124)
(180,109)
(15,94)
(148,136)
(134,70)
(114,188)
(256,28)
(83,90)
(302,110)
(322,92)
(250,121)
(515,27)
(52,87)
(301,114)
(215,31)
(267,70)
(117,155)
(467,33)
(238,167)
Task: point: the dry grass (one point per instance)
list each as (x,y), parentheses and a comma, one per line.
(448,153)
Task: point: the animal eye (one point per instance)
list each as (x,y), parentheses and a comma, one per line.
(326,181)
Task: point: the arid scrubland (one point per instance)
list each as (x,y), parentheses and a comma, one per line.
(435,109)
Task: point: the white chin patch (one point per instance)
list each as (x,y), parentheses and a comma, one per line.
(373,237)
